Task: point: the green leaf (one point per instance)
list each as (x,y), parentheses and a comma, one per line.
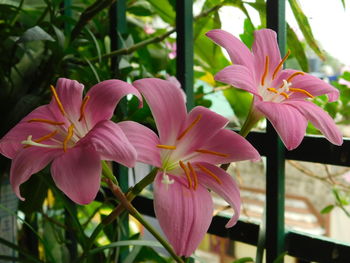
(244,260)
(248,35)
(164,9)
(297,49)
(148,254)
(35,33)
(239,101)
(141,8)
(327,209)
(305,27)
(10,2)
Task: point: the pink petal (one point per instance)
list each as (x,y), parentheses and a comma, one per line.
(265,44)
(183,214)
(238,52)
(230,143)
(77,173)
(167,105)
(315,86)
(239,77)
(70,93)
(104,97)
(27,162)
(144,140)
(109,140)
(320,119)
(289,123)
(11,142)
(209,124)
(227,188)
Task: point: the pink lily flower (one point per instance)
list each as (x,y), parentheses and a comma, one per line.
(75,134)
(279,94)
(186,152)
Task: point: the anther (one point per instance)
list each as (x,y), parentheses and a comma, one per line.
(266,71)
(168,147)
(196,120)
(82,107)
(46,121)
(272,90)
(285,95)
(187,173)
(57,99)
(68,137)
(294,75)
(302,91)
(212,152)
(280,65)
(208,172)
(194,175)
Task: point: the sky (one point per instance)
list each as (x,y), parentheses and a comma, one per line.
(328,19)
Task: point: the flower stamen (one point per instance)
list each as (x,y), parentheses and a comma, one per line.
(212,152)
(168,147)
(266,71)
(187,173)
(82,108)
(47,121)
(280,65)
(208,172)
(68,137)
(57,99)
(194,175)
(272,90)
(285,95)
(196,120)
(294,75)
(302,91)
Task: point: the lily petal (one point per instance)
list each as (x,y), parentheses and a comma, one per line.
(289,123)
(265,44)
(80,178)
(104,96)
(27,162)
(320,119)
(228,143)
(11,142)
(239,77)
(183,214)
(315,86)
(167,105)
(144,140)
(227,189)
(199,119)
(70,94)
(109,140)
(238,52)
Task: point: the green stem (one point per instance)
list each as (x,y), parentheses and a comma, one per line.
(133,211)
(108,173)
(252,119)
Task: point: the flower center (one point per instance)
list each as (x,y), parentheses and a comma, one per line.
(183,163)
(284,91)
(62,136)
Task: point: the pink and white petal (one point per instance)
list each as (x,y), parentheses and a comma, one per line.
(11,142)
(77,173)
(239,77)
(70,93)
(144,140)
(238,52)
(227,188)
(104,97)
(30,161)
(227,142)
(320,119)
(207,124)
(314,86)
(288,121)
(109,140)
(265,44)
(167,104)
(183,214)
